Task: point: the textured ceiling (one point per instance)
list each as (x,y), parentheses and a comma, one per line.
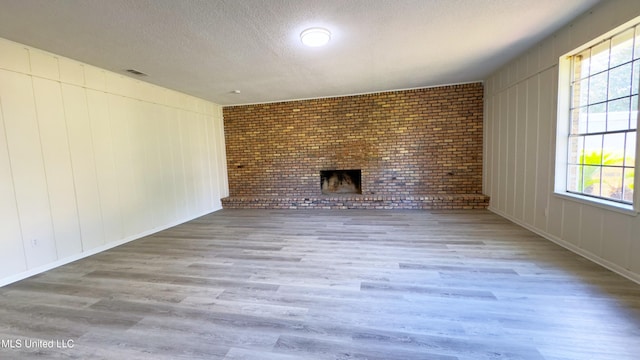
(210,48)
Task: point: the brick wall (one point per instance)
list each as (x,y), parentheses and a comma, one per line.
(424,141)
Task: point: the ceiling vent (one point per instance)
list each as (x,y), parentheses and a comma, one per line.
(136,72)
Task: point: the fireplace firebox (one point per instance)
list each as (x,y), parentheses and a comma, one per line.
(341,181)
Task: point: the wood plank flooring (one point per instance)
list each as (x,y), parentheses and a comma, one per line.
(332,284)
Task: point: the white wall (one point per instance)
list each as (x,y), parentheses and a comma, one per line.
(520,126)
(90,159)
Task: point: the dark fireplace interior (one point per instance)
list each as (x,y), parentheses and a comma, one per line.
(340,181)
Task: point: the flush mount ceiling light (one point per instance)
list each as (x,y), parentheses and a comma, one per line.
(315,36)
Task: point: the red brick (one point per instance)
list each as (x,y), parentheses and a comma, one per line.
(414,142)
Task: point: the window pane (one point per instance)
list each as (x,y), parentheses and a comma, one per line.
(630,151)
(633,121)
(636,77)
(619,81)
(613,149)
(574,178)
(592,153)
(580,93)
(575,149)
(591,180)
(599,57)
(581,65)
(618,114)
(597,118)
(622,48)
(579,121)
(598,88)
(636,52)
(612,183)
(628,185)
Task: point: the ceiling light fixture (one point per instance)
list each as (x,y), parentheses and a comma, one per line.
(315,36)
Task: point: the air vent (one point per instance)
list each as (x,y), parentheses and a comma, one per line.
(136,72)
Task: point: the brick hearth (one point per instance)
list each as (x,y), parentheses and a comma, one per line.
(358,202)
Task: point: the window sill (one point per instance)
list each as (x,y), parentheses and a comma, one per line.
(603,204)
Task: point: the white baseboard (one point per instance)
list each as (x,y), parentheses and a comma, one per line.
(40,269)
(571,247)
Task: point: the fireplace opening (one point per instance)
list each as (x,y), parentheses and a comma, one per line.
(340,181)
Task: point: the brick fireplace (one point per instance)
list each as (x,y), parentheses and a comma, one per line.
(340,182)
(413,149)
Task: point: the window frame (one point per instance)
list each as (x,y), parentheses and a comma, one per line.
(563,126)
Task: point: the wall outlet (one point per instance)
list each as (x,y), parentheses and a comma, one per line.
(34,242)
(546,212)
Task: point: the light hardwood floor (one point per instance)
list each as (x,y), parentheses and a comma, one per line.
(314,284)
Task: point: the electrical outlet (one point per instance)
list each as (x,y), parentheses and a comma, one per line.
(34,242)
(546,212)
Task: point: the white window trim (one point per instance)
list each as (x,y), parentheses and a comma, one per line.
(562,135)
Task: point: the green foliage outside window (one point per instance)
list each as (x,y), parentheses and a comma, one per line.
(595,174)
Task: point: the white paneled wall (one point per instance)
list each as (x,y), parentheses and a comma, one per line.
(90,159)
(520,126)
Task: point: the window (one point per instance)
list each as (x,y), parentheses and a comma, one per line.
(598,119)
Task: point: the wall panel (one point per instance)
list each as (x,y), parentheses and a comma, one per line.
(163,142)
(510,181)
(84,166)
(520,148)
(533,61)
(221,153)
(177,164)
(14,57)
(107,176)
(546,114)
(120,123)
(494,148)
(555,220)
(57,164)
(141,139)
(71,72)
(190,166)
(503,133)
(27,167)
(592,236)
(487,161)
(44,65)
(531,154)
(634,252)
(617,238)
(571,223)
(155,185)
(11,247)
(204,191)
(94,78)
